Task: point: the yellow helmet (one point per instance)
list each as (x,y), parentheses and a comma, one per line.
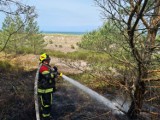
(43,57)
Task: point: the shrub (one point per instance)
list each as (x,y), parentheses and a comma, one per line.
(72,46)
(50,42)
(5,66)
(60,46)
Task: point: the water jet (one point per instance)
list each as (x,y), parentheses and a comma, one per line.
(114,106)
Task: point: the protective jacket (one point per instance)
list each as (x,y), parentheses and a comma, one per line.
(46,81)
(46,86)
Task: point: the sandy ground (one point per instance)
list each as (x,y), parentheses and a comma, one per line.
(63,43)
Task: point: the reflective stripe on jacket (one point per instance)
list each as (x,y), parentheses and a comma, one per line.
(49,90)
(46,81)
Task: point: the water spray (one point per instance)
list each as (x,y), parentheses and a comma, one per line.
(115,107)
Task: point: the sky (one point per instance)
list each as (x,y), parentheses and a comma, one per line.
(66,15)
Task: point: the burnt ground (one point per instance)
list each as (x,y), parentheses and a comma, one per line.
(16,95)
(69,103)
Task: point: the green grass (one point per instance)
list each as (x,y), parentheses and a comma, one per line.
(86,55)
(58,54)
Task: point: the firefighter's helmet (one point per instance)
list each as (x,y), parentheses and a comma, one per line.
(43,57)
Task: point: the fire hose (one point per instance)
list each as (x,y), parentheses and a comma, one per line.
(36,93)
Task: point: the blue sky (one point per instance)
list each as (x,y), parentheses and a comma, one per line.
(66,15)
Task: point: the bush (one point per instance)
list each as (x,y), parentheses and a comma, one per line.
(72,46)
(5,66)
(60,46)
(50,42)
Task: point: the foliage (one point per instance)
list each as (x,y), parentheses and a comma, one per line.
(12,9)
(108,41)
(9,26)
(139,23)
(27,38)
(101,39)
(35,40)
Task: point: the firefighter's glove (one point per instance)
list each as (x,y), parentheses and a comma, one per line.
(55,68)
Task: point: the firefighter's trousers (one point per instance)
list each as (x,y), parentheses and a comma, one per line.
(45,105)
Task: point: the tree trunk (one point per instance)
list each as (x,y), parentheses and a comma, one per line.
(137,102)
(143,67)
(137,99)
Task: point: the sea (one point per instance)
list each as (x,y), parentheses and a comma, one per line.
(66,33)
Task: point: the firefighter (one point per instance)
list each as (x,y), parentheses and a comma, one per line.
(46,86)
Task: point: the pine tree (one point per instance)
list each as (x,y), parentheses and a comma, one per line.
(8,28)
(35,41)
(26,37)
